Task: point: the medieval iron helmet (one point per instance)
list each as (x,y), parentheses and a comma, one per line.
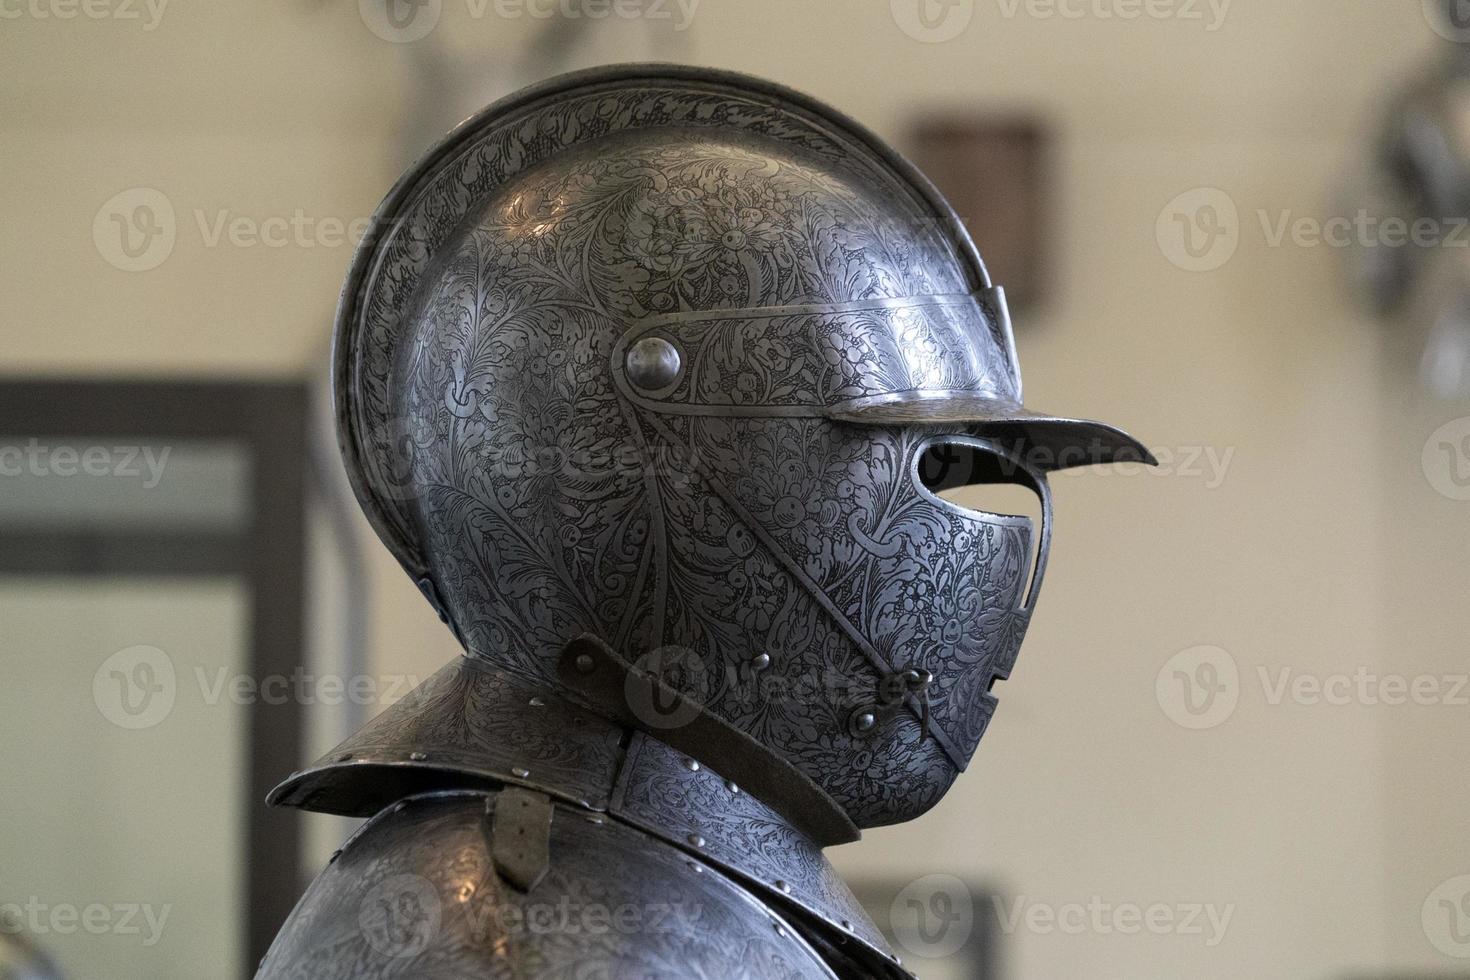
(656,362)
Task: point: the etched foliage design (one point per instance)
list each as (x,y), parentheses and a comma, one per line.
(549,505)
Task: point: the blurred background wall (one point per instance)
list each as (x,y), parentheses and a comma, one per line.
(1292,530)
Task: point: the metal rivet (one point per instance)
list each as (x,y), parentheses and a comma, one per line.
(730,785)
(335,855)
(696,868)
(692,765)
(520,772)
(866,721)
(585,663)
(761,661)
(417,757)
(780,929)
(594,818)
(345,757)
(847,925)
(783,887)
(652,363)
(537,702)
(696,840)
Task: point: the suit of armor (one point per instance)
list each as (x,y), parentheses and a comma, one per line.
(652,377)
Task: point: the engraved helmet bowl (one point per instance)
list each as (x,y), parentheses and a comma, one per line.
(681,360)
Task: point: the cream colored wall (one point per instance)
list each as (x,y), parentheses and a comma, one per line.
(1322,828)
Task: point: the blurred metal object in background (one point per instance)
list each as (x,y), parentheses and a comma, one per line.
(1418,175)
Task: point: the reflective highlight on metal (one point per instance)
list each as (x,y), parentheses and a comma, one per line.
(640,375)
(417,894)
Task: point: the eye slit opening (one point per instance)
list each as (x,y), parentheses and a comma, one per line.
(947,468)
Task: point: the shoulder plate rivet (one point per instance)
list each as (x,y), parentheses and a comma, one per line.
(730,785)
(417,757)
(696,867)
(866,721)
(653,363)
(584,663)
(761,661)
(345,757)
(520,772)
(783,887)
(696,840)
(692,765)
(537,702)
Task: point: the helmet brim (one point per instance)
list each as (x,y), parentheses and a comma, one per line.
(1047,442)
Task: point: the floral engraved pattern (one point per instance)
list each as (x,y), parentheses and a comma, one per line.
(544,503)
(820,360)
(658,792)
(472,723)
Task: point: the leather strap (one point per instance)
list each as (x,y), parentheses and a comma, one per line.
(520,837)
(638,699)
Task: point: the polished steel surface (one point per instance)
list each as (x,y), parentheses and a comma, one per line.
(652,378)
(417,894)
(798,275)
(473,726)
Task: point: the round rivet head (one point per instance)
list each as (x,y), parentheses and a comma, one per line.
(761,661)
(653,363)
(783,887)
(538,702)
(692,765)
(417,757)
(584,663)
(731,786)
(695,840)
(866,721)
(520,772)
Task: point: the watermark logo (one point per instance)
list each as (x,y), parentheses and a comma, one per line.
(135,230)
(400,916)
(1450,19)
(678,669)
(1446,918)
(400,21)
(933,917)
(135,688)
(1199,231)
(1199,688)
(1098,916)
(1446,459)
(147,13)
(37,459)
(39,918)
(932,21)
(1210,13)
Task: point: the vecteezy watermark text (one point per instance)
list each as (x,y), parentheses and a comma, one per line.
(147,13)
(406,21)
(1200,688)
(1201,230)
(1100,917)
(138,687)
(35,458)
(1209,13)
(39,918)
